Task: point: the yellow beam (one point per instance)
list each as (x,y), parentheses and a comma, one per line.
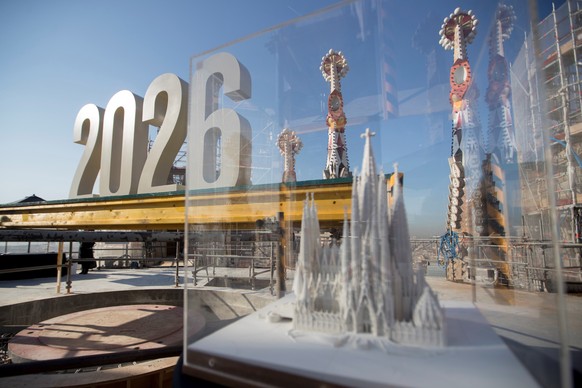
(225,208)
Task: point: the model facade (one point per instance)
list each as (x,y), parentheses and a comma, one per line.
(367,286)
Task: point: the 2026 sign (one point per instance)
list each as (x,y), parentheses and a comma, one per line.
(116,138)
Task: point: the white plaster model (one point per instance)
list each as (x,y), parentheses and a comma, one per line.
(367,286)
(289,144)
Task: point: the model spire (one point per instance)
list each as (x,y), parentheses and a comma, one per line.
(334,67)
(368,161)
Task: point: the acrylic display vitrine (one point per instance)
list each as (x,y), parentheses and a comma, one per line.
(376,194)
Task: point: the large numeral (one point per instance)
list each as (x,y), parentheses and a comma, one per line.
(116,139)
(125,140)
(87,131)
(220,145)
(165,106)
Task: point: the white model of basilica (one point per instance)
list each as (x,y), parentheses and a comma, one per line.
(367,286)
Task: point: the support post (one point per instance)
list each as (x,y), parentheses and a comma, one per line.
(69,268)
(177,279)
(272,266)
(59,266)
(280,290)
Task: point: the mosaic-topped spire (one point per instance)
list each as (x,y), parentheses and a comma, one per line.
(289,145)
(458,29)
(467,154)
(334,67)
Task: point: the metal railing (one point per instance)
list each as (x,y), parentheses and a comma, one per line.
(255,258)
(526,264)
(203,261)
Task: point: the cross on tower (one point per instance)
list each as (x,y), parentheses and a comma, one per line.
(368,134)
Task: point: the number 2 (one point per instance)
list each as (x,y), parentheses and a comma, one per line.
(116,138)
(87,131)
(165,105)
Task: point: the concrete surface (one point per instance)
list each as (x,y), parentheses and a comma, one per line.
(102,331)
(526,321)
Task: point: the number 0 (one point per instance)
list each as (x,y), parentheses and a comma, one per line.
(124,145)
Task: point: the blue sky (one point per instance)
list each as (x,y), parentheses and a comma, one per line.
(57,56)
(60,55)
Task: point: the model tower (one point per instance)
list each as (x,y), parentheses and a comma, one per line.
(465,199)
(289,145)
(367,286)
(334,67)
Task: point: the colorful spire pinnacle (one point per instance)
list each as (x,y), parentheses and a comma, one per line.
(334,67)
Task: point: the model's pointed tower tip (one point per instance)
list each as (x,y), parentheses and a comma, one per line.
(368,161)
(397,189)
(396,173)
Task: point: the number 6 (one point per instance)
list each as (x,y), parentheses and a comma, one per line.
(212,128)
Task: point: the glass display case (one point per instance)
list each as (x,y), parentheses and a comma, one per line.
(468,117)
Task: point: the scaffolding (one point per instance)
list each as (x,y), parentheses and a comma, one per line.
(548,103)
(561,53)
